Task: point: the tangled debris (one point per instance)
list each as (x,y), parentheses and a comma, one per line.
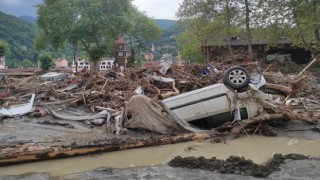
(82,97)
(235,165)
(296,95)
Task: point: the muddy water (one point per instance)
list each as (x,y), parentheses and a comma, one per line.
(257,148)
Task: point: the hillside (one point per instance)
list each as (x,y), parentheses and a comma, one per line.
(29,19)
(167,42)
(165,23)
(20,35)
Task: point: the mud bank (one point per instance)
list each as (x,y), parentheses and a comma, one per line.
(235,165)
(291,169)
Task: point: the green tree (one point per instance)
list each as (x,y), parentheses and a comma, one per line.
(142,30)
(212,21)
(26,63)
(4,48)
(296,20)
(248,30)
(45,60)
(13,63)
(191,50)
(93,25)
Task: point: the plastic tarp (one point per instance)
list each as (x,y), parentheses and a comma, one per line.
(143,112)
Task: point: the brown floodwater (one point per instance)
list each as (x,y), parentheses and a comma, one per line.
(257,148)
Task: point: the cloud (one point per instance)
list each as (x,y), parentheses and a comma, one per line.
(11,3)
(159,9)
(19,7)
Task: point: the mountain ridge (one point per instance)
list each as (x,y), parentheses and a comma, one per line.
(19,35)
(19,32)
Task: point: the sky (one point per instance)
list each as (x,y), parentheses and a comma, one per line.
(158,9)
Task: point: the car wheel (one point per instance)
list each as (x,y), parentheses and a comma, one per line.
(236,77)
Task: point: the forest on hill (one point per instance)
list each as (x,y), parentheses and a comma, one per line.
(19,32)
(19,35)
(213,23)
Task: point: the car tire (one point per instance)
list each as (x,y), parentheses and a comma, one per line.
(236,78)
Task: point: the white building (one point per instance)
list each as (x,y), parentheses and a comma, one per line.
(106,64)
(3,63)
(82,64)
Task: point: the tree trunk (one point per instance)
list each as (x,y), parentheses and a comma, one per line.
(29,153)
(94,68)
(249,37)
(261,118)
(316,23)
(132,51)
(283,89)
(133,56)
(228,20)
(75,59)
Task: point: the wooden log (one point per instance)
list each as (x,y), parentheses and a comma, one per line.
(283,89)
(30,153)
(105,108)
(309,64)
(289,114)
(168,94)
(104,85)
(263,117)
(76,118)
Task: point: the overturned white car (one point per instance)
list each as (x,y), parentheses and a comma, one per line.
(235,99)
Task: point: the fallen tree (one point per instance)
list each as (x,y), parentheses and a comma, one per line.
(30,153)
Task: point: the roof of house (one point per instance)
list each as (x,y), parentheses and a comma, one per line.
(59,59)
(120,40)
(242,42)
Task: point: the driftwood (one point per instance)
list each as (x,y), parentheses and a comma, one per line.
(149,87)
(59,102)
(105,108)
(77,118)
(105,92)
(280,113)
(309,64)
(261,118)
(283,89)
(289,114)
(169,94)
(29,153)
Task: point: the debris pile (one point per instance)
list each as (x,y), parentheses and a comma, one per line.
(295,97)
(119,102)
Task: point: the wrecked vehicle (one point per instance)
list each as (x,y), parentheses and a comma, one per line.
(18,110)
(232,100)
(52,76)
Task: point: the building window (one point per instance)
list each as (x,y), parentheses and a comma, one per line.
(103,63)
(120,54)
(109,63)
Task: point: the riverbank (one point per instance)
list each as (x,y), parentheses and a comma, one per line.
(259,149)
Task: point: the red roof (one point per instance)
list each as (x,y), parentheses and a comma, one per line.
(120,40)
